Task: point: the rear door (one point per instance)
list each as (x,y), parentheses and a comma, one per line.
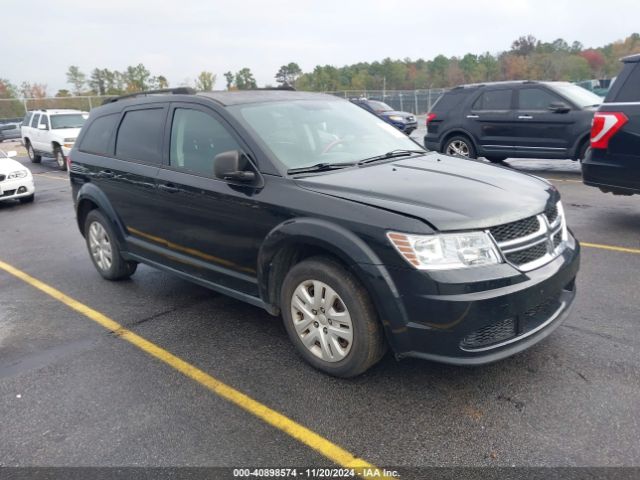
(540,131)
(491,120)
(129,179)
(34,133)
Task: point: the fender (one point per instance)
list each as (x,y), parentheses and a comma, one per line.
(349,248)
(89,191)
(578,143)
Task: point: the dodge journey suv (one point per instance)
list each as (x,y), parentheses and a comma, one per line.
(311,208)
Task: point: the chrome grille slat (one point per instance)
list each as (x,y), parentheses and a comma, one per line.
(531,242)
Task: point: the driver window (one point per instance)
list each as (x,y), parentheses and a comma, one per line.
(536,99)
(196,138)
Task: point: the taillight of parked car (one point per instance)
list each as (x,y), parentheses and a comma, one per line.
(430,117)
(604,126)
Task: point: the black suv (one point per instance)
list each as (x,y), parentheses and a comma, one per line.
(613,162)
(512,120)
(309,207)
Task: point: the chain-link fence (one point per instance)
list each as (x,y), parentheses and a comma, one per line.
(414,101)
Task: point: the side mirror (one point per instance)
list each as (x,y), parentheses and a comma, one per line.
(42,126)
(559,107)
(232,165)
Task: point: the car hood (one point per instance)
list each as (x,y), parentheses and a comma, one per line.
(445,192)
(8,165)
(67,132)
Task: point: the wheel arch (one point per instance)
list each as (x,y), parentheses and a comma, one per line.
(291,242)
(91,197)
(458,131)
(577,147)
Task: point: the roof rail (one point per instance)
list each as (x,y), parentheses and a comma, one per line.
(174,91)
(280,87)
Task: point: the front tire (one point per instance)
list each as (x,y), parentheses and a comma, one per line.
(459,146)
(104,249)
(330,318)
(60,160)
(33,156)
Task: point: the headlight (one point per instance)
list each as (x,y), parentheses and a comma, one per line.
(396,118)
(446,251)
(17,174)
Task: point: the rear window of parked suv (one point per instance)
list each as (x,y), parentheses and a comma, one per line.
(630,91)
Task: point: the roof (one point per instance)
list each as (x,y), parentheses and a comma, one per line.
(631,58)
(239,97)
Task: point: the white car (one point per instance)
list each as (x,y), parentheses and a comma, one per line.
(51,133)
(16,181)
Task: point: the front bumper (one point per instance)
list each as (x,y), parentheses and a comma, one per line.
(18,188)
(477,316)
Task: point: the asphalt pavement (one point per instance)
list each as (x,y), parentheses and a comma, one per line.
(72,393)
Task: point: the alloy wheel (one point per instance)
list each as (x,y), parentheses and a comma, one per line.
(322,321)
(459,148)
(100,246)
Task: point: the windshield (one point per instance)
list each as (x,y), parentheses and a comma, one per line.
(379,106)
(578,95)
(307,132)
(68,120)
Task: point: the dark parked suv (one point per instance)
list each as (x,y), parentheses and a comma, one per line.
(613,162)
(512,120)
(309,207)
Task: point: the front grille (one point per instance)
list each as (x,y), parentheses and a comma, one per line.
(557,238)
(8,193)
(528,255)
(513,230)
(551,212)
(494,333)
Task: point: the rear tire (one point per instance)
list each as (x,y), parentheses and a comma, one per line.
(330,318)
(460,146)
(103,248)
(33,156)
(59,156)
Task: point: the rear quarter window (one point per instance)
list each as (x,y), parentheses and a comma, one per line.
(98,135)
(630,90)
(140,135)
(449,101)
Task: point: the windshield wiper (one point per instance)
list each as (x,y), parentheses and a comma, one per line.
(392,154)
(320,167)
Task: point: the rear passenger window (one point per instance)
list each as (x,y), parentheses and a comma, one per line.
(96,139)
(140,135)
(536,99)
(630,91)
(34,122)
(493,100)
(44,120)
(196,138)
(27,119)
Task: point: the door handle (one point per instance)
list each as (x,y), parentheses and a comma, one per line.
(107,174)
(525,117)
(473,116)
(168,187)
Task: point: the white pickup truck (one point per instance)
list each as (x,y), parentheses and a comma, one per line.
(51,133)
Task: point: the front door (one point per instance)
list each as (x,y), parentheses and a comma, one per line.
(540,131)
(213,228)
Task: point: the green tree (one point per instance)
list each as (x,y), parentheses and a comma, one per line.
(98,81)
(7,89)
(205,81)
(288,74)
(244,79)
(63,93)
(76,78)
(136,78)
(230,78)
(162,81)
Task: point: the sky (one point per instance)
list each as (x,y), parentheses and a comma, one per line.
(179,39)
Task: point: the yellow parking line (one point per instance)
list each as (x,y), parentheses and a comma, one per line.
(611,247)
(330,450)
